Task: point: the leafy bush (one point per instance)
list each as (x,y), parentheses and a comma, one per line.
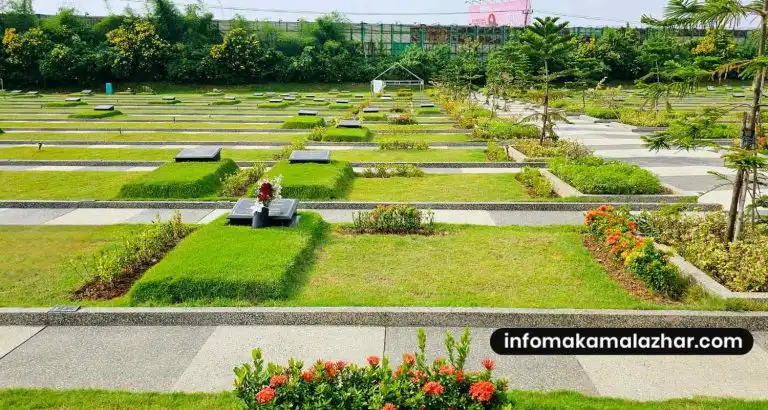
(389,171)
(237,184)
(64,104)
(340,106)
(414,384)
(617,230)
(134,255)
(402,119)
(220,262)
(273,105)
(428,111)
(605,113)
(164,102)
(303,122)
(373,116)
(348,135)
(317,134)
(394,219)
(398,109)
(395,145)
(314,181)
(537,184)
(90,115)
(226,102)
(180,180)
(550,149)
(495,152)
(405,93)
(592,175)
(287,150)
(500,129)
(648,118)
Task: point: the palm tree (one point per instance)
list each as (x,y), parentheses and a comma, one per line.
(544,42)
(718,14)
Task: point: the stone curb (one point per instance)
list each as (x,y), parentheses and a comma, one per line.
(98,163)
(561,187)
(707,282)
(452,206)
(451,145)
(389,317)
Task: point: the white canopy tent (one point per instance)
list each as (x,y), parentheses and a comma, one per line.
(378,84)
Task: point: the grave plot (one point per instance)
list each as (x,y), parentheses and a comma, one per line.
(180,180)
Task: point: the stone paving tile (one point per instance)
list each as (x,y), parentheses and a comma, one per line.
(230,346)
(213,215)
(644,153)
(534,218)
(761,339)
(464,217)
(21,216)
(545,373)
(694,183)
(58,168)
(190,216)
(667,377)
(96,216)
(12,337)
(662,161)
(722,197)
(691,170)
(130,358)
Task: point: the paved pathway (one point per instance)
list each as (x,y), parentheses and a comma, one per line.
(200,359)
(106,216)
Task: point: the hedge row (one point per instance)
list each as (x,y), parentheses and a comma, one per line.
(314,181)
(180,180)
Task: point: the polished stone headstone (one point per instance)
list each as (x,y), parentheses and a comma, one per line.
(230,98)
(310,156)
(86,92)
(739,95)
(282,212)
(710,88)
(104,107)
(385,98)
(349,124)
(72,99)
(371,110)
(275,100)
(319,100)
(258,94)
(169,98)
(359,96)
(33,92)
(427,106)
(16,92)
(342,101)
(309,96)
(199,154)
(311,113)
(290,98)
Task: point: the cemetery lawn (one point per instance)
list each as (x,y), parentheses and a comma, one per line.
(48,399)
(34,269)
(53,185)
(467,266)
(440,188)
(170,135)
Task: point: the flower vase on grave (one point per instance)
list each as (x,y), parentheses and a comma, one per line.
(260,218)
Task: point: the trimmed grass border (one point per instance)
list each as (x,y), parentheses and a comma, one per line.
(314,181)
(180,180)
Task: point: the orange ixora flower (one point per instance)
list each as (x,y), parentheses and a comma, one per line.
(409,358)
(460,376)
(482,391)
(330,369)
(447,370)
(373,360)
(489,364)
(389,406)
(265,395)
(278,380)
(433,388)
(308,375)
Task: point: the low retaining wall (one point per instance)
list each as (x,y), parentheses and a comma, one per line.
(391,317)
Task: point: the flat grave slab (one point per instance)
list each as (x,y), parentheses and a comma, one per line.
(386,95)
(738,95)
(258,94)
(359,96)
(169,98)
(275,100)
(370,110)
(229,98)
(33,92)
(16,92)
(290,98)
(349,124)
(104,107)
(618,99)
(270,93)
(630,91)
(199,154)
(729,88)
(86,92)
(319,100)
(309,95)
(386,98)
(282,212)
(710,88)
(427,106)
(286,95)
(309,113)
(72,99)
(310,157)
(342,101)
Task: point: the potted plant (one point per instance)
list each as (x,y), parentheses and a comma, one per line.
(266,191)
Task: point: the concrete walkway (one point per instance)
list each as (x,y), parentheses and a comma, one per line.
(200,359)
(107,216)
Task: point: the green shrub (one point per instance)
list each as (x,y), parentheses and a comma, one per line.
(390,171)
(287,150)
(180,180)
(220,263)
(604,113)
(536,184)
(396,145)
(317,134)
(477,113)
(394,219)
(428,111)
(274,105)
(592,175)
(550,149)
(64,104)
(89,115)
(402,119)
(26,96)
(225,102)
(348,135)
(495,152)
(501,129)
(164,102)
(398,109)
(314,181)
(214,94)
(558,103)
(639,118)
(303,122)
(133,255)
(312,103)
(373,116)
(237,184)
(405,93)
(340,106)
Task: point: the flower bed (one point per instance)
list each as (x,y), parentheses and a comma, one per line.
(617,230)
(237,184)
(414,384)
(393,170)
(536,184)
(394,219)
(533,149)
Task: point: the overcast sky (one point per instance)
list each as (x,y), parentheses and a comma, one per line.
(600,12)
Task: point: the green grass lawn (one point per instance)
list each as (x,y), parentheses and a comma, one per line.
(115,124)
(206,136)
(34,267)
(180,180)
(440,188)
(54,185)
(314,181)
(134,154)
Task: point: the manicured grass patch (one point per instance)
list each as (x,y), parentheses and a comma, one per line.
(44,399)
(213,94)
(272,105)
(64,104)
(442,188)
(138,126)
(63,185)
(603,113)
(339,106)
(314,181)
(593,175)
(428,111)
(506,267)
(222,262)
(374,116)
(348,135)
(164,102)
(304,122)
(180,180)
(34,268)
(69,153)
(226,102)
(95,114)
(429,155)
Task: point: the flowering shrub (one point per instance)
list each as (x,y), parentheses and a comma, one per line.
(287,150)
(238,183)
(317,134)
(537,184)
(495,152)
(399,170)
(618,231)
(412,385)
(402,119)
(394,219)
(395,144)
